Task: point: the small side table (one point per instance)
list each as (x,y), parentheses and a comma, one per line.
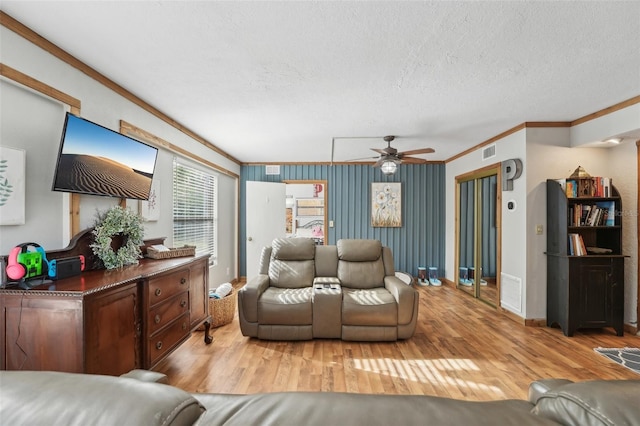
(327,311)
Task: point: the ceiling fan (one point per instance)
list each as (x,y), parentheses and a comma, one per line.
(390,158)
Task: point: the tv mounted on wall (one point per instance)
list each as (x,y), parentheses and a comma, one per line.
(97,161)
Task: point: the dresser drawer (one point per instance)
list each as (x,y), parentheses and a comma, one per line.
(165,312)
(167,339)
(164,287)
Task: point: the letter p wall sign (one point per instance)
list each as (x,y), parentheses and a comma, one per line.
(511,170)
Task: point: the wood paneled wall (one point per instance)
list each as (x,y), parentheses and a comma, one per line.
(421,239)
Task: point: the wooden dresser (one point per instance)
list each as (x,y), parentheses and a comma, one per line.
(105,322)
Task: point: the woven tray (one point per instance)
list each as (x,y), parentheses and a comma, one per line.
(222,310)
(173,252)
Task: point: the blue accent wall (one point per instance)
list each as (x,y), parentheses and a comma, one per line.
(421,239)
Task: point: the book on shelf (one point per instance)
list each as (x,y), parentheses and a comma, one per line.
(571,188)
(562,183)
(600,187)
(600,213)
(608,209)
(573,244)
(576,245)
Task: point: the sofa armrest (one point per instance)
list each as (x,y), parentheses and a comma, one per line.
(249,294)
(405,296)
(540,387)
(55,398)
(591,403)
(146,376)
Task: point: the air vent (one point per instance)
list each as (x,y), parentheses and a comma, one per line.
(272,170)
(511,292)
(489,152)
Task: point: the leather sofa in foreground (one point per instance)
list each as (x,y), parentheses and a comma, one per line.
(348,291)
(53,398)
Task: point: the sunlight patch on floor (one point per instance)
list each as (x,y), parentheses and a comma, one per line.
(434,371)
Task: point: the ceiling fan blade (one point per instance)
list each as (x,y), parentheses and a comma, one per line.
(418,151)
(363,158)
(379,151)
(413,160)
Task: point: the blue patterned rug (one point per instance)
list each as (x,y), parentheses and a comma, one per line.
(627,357)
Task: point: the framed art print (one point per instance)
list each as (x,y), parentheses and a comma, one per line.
(12,186)
(150,209)
(386,204)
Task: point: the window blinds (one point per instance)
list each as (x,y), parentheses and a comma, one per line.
(194,209)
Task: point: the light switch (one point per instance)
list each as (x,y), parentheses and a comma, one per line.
(330,224)
(538,229)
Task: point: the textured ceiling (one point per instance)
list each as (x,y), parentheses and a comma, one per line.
(276,81)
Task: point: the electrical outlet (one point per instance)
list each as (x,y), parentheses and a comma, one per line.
(330,224)
(538,229)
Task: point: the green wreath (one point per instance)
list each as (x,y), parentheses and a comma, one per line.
(114,222)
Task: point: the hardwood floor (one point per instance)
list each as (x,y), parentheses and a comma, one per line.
(462,349)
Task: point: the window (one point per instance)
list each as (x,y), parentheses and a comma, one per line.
(195,216)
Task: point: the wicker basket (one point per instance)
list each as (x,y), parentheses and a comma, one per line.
(173,252)
(222,310)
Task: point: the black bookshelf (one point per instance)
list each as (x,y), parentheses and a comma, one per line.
(584,290)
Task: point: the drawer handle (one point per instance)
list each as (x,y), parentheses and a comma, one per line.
(159,345)
(183,280)
(157,319)
(158,292)
(184,325)
(183,303)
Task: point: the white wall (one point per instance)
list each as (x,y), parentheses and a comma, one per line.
(548,157)
(514,247)
(619,163)
(610,125)
(624,172)
(33,123)
(547,154)
(47,217)
(547,160)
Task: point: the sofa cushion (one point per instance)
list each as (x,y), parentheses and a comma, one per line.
(598,402)
(291,306)
(291,273)
(360,263)
(292,263)
(353,250)
(293,249)
(370,307)
(361,274)
(53,398)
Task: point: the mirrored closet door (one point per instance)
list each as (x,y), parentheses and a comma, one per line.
(478,260)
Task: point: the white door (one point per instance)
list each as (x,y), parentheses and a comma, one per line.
(265,219)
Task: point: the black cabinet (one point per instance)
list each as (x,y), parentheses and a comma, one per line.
(585,291)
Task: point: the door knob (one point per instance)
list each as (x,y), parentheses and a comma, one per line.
(249,239)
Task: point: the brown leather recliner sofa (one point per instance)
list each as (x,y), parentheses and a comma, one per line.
(346,291)
(52,398)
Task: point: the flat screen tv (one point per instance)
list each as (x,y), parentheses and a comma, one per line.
(97,161)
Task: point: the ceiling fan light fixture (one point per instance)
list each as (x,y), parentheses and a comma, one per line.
(389,167)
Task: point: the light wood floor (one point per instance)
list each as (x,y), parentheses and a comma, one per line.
(462,348)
